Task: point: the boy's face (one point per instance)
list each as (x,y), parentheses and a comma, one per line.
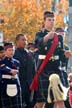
(49,22)
(1,54)
(9,52)
(22,41)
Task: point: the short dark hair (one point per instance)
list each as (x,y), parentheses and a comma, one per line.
(1,48)
(8,45)
(31,43)
(59,29)
(18,36)
(48,14)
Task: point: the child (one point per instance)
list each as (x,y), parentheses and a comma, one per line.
(10,85)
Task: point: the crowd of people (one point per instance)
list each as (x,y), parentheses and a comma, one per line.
(34,75)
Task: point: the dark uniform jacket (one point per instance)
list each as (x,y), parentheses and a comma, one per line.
(27,71)
(6,65)
(44,47)
(9,64)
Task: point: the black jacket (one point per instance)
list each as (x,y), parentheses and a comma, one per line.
(27,67)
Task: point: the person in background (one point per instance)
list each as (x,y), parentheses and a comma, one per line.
(31,46)
(10,86)
(64,57)
(64,61)
(27,68)
(1,52)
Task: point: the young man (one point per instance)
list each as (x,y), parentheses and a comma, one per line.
(10,85)
(27,68)
(50,47)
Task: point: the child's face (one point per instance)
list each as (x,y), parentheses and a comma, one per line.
(49,22)
(9,52)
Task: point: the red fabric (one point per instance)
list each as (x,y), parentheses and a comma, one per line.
(70,97)
(34,84)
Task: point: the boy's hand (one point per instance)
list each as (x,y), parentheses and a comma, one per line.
(14,71)
(68,53)
(50,35)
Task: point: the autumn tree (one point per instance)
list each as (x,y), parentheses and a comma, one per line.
(62,9)
(25,16)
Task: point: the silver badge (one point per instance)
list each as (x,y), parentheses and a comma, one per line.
(46,48)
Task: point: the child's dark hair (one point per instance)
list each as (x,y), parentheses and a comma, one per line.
(18,36)
(48,14)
